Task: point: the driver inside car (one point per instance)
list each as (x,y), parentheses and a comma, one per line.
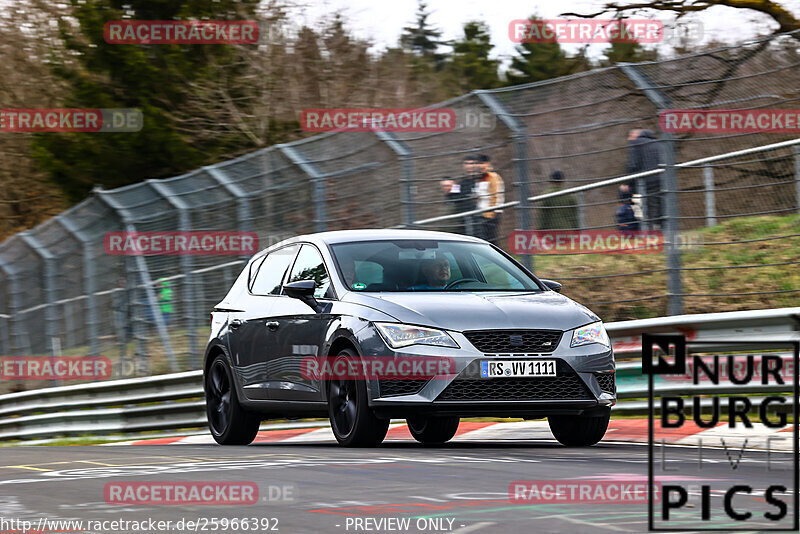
(436,273)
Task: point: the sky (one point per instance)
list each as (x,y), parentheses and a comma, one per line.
(382,21)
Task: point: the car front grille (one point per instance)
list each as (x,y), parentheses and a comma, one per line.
(514,341)
(606,382)
(567,385)
(393,388)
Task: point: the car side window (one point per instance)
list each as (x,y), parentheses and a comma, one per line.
(310,266)
(272,270)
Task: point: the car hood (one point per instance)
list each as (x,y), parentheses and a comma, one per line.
(478,311)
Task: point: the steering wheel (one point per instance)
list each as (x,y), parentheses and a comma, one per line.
(460,281)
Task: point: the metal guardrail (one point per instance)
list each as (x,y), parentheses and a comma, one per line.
(175,401)
(131,405)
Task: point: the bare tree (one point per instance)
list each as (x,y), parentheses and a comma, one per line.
(786,20)
(27,35)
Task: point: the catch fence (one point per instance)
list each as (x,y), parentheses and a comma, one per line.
(731,200)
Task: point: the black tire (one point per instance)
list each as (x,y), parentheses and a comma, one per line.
(230,424)
(579,430)
(353,422)
(433,430)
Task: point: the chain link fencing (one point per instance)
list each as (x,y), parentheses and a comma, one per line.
(730,222)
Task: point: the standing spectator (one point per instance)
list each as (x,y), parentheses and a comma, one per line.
(165,299)
(626,219)
(561,212)
(461,194)
(645,155)
(490,191)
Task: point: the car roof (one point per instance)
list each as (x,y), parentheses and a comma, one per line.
(351,236)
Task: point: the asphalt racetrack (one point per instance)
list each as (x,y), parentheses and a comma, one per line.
(401,486)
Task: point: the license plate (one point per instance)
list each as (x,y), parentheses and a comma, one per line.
(516,368)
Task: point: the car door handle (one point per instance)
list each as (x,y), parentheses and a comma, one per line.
(273,325)
(236,323)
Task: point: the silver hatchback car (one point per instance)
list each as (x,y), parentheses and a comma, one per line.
(366,325)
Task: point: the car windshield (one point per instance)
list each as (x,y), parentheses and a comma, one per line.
(428,265)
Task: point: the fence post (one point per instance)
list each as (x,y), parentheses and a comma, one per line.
(796,150)
(23,342)
(317,182)
(48,271)
(5,306)
(89,279)
(519,141)
(187,265)
(581,198)
(146,283)
(669,190)
(50,315)
(711,201)
(243,215)
(407,168)
(671,228)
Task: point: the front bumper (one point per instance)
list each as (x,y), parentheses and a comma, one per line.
(584,382)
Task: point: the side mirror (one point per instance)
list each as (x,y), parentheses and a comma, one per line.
(302,290)
(552,284)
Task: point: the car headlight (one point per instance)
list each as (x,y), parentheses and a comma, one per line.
(591,333)
(403,335)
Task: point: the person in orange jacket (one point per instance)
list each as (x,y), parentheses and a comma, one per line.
(490,191)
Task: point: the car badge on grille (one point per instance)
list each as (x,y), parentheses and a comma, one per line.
(515,340)
(546,344)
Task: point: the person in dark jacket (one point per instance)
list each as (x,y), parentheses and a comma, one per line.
(644,155)
(626,219)
(462,194)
